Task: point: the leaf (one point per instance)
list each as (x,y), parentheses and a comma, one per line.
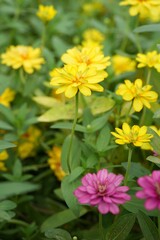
(5,145)
(68,188)
(17,169)
(60,219)
(58,234)
(7,113)
(157,114)
(135,204)
(100,104)
(136,170)
(58,112)
(103,139)
(76,173)
(148,228)
(155,141)
(13,188)
(47,102)
(7,205)
(153,159)
(97,123)
(69,125)
(148,28)
(122,227)
(5,125)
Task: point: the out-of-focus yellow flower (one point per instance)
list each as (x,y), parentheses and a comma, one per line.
(54,162)
(23,56)
(74,78)
(46,13)
(140,95)
(122,64)
(7,96)
(94,35)
(3,157)
(29,142)
(135,135)
(150,59)
(93,7)
(92,56)
(145,8)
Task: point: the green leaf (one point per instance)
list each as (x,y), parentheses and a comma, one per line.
(103,139)
(153,159)
(69,125)
(157,114)
(148,228)
(13,188)
(7,205)
(47,102)
(148,28)
(136,170)
(97,123)
(58,234)
(155,141)
(17,169)
(76,173)
(5,125)
(5,145)
(135,204)
(68,188)
(122,227)
(60,219)
(7,113)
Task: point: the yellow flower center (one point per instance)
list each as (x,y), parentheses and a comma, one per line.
(23,53)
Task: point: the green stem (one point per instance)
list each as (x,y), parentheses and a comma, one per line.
(148,76)
(22,77)
(159,224)
(18,222)
(127,115)
(128,165)
(43,38)
(101,233)
(72,134)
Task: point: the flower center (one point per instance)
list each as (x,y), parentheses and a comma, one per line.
(23,52)
(102,189)
(158,188)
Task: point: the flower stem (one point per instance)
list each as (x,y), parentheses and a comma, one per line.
(72,134)
(43,37)
(159,223)
(22,77)
(148,76)
(128,165)
(101,233)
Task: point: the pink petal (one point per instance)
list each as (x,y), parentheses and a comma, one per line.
(122,189)
(107,199)
(84,199)
(118,180)
(91,190)
(111,177)
(145,182)
(113,208)
(111,189)
(103,207)
(141,194)
(151,203)
(150,192)
(102,175)
(95,201)
(156,176)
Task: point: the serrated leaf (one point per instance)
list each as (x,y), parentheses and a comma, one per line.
(148,228)
(122,227)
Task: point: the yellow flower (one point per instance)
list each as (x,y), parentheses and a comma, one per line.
(140,95)
(6,97)
(93,7)
(3,157)
(145,8)
(46,13)
(92,56)
(122,64)
(150,59)
(29,142)
(54,162)
(23,56)
(94,35)
(73,78)
(135,135)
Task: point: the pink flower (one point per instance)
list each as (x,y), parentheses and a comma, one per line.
(150,191)
(102,190)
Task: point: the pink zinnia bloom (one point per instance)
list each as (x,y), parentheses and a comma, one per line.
(150,191)
(102,190)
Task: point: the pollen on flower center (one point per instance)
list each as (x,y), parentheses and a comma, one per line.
(102,189)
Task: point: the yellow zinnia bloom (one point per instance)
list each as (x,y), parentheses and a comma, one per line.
(92,56)
(145,8)
(3,157)
(29,142)
(74,78)
(135,135)
(6,97)
(150,59)
(54,162)
(94,35)
(93,7)
(23,56)
(46,13)
(140,95)
(122,64)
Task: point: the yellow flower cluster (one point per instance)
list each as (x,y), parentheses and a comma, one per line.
(140,95)
(54,162)
(29,142)
(83,72)
(122,64)
(3,157)
(46,13)
(145,8)
(135,135)
(6,97)
(92,37)
(23,56)
(150,59)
